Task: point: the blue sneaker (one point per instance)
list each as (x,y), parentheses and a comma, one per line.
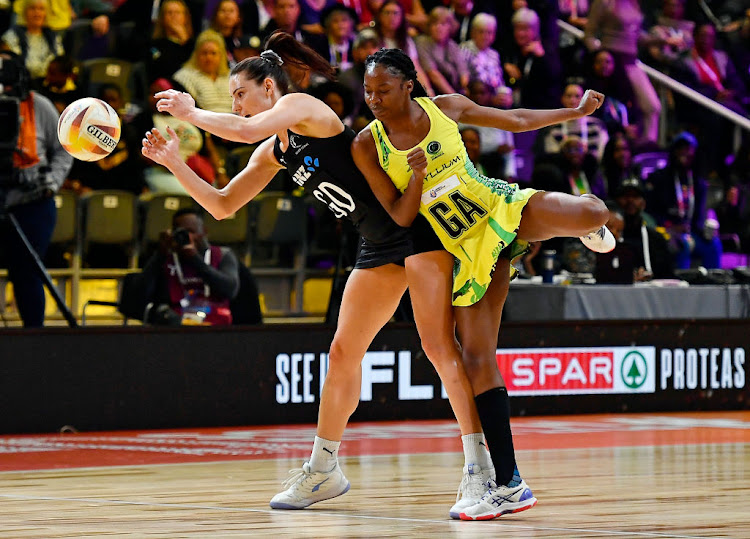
(304,488)
(500,500)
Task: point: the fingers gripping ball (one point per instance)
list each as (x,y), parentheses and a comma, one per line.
(89,129)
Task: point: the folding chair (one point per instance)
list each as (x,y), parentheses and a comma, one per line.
(232,231)
(109,218)
(129,76)
(278,219)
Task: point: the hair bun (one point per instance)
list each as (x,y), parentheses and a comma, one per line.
(272,57)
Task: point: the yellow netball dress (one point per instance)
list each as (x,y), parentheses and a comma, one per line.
(474,216)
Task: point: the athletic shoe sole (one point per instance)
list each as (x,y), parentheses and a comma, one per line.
(521,506)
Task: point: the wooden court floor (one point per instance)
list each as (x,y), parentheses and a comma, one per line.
(612,476)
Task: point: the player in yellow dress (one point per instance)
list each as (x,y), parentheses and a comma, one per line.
(415,161)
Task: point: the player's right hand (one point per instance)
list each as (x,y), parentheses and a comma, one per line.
(178,104)
(417,160)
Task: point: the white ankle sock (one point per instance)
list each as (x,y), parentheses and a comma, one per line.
(475,450)
(324,455)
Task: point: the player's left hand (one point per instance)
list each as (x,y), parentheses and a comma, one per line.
(159,149)
(590,101)
(178,104)
(417,160)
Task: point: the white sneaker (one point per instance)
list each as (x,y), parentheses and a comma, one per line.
(500,500)
(473,485)
(601,241)
(304,488)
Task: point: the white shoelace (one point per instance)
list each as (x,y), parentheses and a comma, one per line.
(295,475)
(472,486)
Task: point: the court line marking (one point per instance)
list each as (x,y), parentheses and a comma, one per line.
(292,460)
(308,514)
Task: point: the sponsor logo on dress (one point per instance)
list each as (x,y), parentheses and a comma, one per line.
(440,189)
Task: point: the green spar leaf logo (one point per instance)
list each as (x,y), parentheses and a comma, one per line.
(634,370)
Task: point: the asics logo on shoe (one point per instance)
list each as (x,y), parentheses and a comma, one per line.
(498,501)
(327,451)
(317,487)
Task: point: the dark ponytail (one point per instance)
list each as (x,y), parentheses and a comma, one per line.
(280,52)
(398,63)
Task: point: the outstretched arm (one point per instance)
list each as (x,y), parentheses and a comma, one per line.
(463,110)
(220,203)
(402,207)
(289,112)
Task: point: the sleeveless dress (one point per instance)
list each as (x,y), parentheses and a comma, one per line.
(475,217)
(325,168)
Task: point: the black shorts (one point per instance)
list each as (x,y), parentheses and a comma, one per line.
(419,238)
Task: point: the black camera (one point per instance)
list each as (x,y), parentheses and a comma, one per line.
(14,88)
(181,237)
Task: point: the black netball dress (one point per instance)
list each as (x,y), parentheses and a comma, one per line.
(325,168)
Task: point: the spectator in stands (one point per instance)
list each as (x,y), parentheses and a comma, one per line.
(255,15)
(571,171)
(247,46)
(712,73)
(734,210)
(464,13)
(496,146)
(338,22)
(675,33)
(651,254)
(337,96)
(616,26)
(94,40)
(617,111)
(533,72)
(172,40)
(617,162)
(572,51)
(197,150)
(60,85)
(59,14)
(440,56)
(484,61)
(286,17)
(188,280)
(390,24)
(205,75)
(547,12)
(591,130)
(35,42)
(227,21)
(678,202)
(311,14)
(31,176)
(366,43)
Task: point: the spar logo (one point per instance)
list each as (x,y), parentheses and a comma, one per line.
(561,371)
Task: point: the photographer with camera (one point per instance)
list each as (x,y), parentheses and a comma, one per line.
(33,166)
(189,281)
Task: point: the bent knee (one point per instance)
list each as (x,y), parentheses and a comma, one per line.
(595,213)
(440,352)
(343,357)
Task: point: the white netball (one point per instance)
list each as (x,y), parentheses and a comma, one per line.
(89,129)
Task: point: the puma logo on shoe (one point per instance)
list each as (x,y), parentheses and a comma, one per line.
(329,452)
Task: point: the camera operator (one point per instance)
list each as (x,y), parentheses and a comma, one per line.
(33,166)
(188,280)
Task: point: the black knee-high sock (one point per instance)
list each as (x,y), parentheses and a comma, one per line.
(494,413)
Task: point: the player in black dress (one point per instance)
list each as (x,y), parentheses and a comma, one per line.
(305,136)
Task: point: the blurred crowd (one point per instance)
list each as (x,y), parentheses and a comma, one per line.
(675,175)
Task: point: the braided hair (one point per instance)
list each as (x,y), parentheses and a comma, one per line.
(397,63)
(282,51)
